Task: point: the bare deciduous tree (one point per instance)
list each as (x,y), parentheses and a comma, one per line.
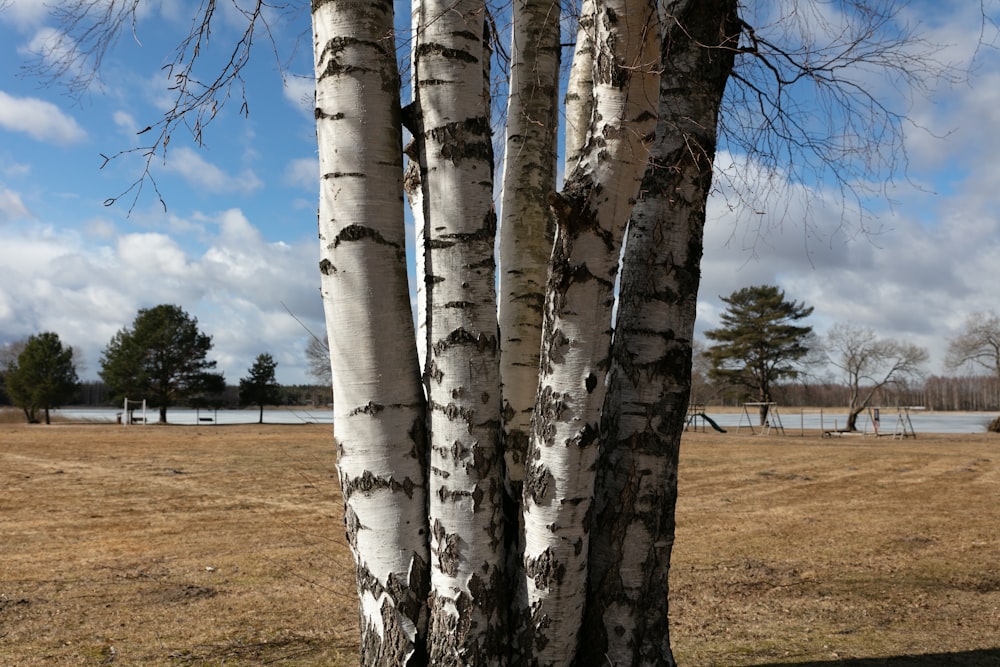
(318,360)
(869,363)
(978,344)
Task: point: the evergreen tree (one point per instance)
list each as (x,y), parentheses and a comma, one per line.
(759,341)
(43,376)
(162,358)
(260,388)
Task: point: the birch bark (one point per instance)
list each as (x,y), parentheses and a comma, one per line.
(651,359)
(526,233)
(579,100)
(379,408)
(591,215)
(468,609)
(527,226)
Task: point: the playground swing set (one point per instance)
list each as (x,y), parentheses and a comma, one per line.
(903,427)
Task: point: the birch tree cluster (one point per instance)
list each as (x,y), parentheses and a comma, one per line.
(508,457)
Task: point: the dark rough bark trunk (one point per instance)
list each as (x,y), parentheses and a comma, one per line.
(852,419)
(627,611)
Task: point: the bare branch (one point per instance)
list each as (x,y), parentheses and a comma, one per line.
(978,344)
(91,28)
(821,94)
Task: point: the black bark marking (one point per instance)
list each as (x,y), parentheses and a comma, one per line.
(343,174)
(446,549)
(550,405)
(406,598)
(319,114)
(465,139)
(591,383)
(371,408)
(587,436)
(358,233)
(545,570)
(463,337)
(433,372)
(539,484)
(327,268)
(418,436)
(477,498)
(458,450)
(369,482)
(428,49)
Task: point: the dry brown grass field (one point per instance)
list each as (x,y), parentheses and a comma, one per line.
(223,545)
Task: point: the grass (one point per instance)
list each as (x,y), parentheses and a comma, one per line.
(189,545)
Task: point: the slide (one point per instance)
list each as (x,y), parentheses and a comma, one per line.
(711,422)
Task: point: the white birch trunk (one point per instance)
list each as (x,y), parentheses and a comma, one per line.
(527,226)
(379,408)
(526,232)
(651,360)
(591,216)
(467,603)
(580,88)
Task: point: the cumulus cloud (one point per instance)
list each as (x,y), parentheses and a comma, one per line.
(190,165)
(915,280)
(39,119)
(237,284)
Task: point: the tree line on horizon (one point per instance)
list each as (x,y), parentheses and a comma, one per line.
(762,353)
(162,358)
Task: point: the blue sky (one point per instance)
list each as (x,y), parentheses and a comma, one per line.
(237,242)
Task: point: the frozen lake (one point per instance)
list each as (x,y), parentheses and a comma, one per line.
(793,419)
(302,415)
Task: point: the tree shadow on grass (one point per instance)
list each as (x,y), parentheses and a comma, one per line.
(980,658)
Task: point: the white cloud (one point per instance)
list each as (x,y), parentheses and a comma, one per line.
(85,289)
(303,173)
(11,206)
(13,168)
(24,14)
(39,119)
(932,264)
(126,122)
(300,91)
(202,174)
